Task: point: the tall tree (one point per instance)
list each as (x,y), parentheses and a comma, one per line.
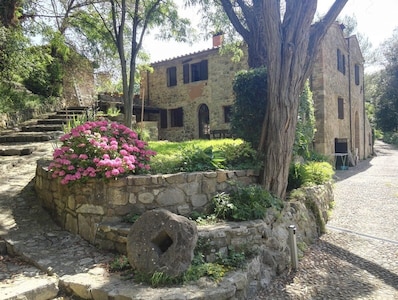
(386,93)
(282,36)
(128,23)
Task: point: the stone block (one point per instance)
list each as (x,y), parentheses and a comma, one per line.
(171,196)
(117,196)
(146,198)
(160,241)
(199,200)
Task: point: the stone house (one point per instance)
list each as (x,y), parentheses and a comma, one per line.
(194,96)
(337,83)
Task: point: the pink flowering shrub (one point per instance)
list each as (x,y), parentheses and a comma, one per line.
(99,150)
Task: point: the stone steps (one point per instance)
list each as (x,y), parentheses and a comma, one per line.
(45,129)
(28,137)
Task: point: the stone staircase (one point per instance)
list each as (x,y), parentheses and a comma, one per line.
(12,142)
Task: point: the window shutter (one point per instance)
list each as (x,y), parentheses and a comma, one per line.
(203,70)
(185,71)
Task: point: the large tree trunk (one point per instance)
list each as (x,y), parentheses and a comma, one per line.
(292,46)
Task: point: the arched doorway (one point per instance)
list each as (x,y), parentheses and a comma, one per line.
(204,122)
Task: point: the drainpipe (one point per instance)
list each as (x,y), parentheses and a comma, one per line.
(147,87)
(349,89)
(364,116)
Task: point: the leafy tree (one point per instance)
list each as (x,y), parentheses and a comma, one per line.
(249,104)
(126,26)
(282,36)
(386,92)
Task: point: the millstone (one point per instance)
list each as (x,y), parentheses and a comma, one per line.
(161,241)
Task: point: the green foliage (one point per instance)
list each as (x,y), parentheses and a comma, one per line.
(14,99)
(113,111)
(13,57)
(240,156)
(390,137)
(309,173)
(305,129)
(246,203)
(120,263)
(313,207)
(131,218)
(45,73)
(248,111)
(73,122)
(202,155)
(197,159)
(383,85)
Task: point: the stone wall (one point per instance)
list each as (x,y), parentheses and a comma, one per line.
(94,211)
(10,120)
(82,208)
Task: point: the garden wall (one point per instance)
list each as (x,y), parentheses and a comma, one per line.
(82,208)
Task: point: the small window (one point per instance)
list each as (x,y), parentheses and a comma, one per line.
(227,113)
(172,76)
(340,61)
(163,118)
(340,108)
(356,74)
(176,117)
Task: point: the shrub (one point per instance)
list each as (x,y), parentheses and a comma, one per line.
(240,156)
(250,88)
(100,150)
(246,203)
(309,173)
(196,159)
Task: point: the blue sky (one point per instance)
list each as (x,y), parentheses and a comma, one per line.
(376,19)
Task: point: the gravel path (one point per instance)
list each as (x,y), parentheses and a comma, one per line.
(358,257)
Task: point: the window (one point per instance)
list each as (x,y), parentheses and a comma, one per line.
(163,118)
(340,108)
(185,70)
(340,61)
(227,113)
(172,76)
(176,117)
(356,74)
(195,72)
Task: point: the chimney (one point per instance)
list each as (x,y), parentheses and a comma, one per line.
(217,39)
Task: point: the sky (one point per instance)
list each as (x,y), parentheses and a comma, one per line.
(376,19)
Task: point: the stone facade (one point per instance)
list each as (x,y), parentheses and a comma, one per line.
(337,83)
(193,92)
(203,105)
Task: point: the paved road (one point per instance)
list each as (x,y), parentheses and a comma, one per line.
(358,257)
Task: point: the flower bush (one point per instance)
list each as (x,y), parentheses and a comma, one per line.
(99,149)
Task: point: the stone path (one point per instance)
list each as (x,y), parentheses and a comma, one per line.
(358,257)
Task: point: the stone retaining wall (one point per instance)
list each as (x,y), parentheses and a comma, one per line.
(94,211)
(82,208)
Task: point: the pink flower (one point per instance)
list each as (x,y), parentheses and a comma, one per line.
(83,156)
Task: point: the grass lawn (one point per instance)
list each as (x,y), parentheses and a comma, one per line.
(169,154)
(173,148)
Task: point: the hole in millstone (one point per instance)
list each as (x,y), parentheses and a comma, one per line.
(162,242)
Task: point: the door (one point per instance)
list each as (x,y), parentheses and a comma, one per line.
(204,122)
